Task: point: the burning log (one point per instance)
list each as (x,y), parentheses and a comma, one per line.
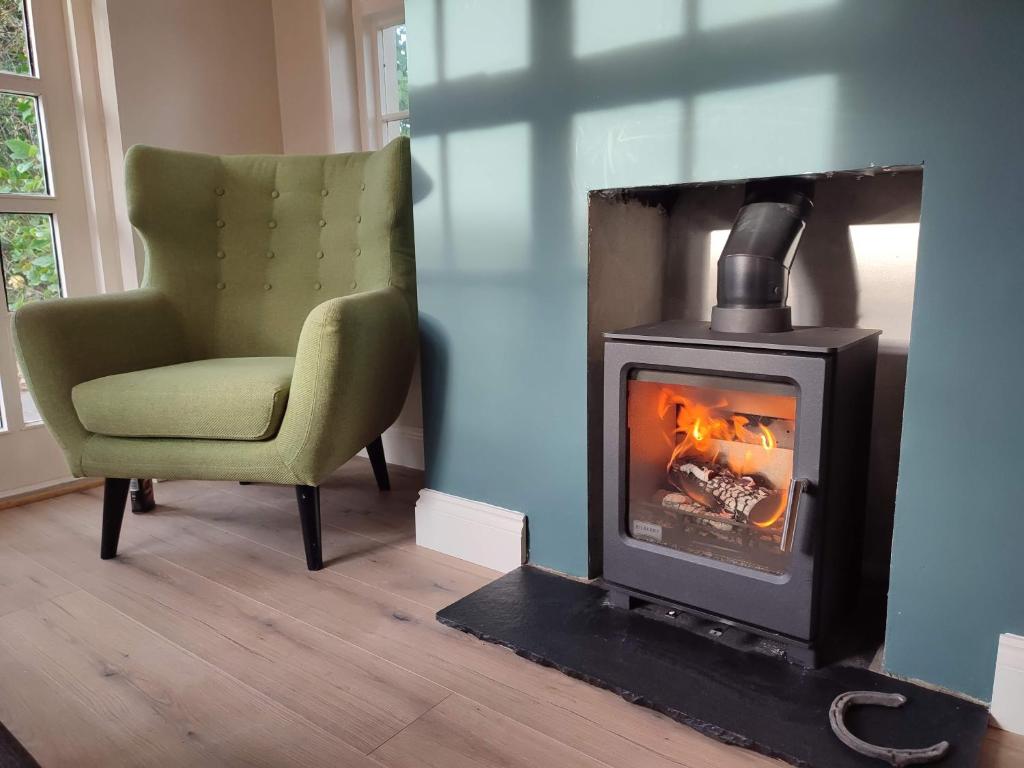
(720,489)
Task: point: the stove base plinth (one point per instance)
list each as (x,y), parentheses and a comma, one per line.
(730,633)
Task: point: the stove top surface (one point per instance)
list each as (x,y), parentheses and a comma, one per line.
(807,338)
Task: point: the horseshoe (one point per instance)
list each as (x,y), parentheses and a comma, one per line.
(894,757)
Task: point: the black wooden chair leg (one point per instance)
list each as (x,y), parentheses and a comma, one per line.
(375,451)
(309,516)
(115,496)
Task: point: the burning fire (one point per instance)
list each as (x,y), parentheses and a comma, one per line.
(703,424)
(704,427)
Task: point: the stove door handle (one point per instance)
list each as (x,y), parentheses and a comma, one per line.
(797,486)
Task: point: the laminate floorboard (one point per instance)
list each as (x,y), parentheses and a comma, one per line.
(207,642)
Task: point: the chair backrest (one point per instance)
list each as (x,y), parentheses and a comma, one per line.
(246,245)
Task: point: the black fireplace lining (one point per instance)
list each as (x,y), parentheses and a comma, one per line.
(737,697)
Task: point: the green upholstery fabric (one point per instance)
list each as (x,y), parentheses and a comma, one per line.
(230,398)
(246,256)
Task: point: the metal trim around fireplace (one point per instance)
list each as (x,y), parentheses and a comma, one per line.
(779,604)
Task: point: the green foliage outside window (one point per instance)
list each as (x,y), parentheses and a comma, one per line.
(21,162)
(26,240)
(402,67)
(27,251)
(14,38)
(29,264)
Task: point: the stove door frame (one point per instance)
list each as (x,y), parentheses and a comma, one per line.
(784,604)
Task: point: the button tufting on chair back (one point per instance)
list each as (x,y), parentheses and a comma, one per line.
(245,246)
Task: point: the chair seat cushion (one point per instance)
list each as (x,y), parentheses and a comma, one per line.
(233,398)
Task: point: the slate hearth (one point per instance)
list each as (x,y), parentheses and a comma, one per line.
(738,697)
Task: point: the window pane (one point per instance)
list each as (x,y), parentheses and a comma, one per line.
(711,465)
(394,70)
(395,128)
(28,257)
(29,411)
(21,147)
(14,45)
(402,67)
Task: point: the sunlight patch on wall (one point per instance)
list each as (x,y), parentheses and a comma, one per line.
(488,173)
(599,26)
(774,129)
(716,242)
(885,259)
(713,14)
(492,37)
(635,145)
(424,51)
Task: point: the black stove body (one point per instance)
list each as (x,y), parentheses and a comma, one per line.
(753,517)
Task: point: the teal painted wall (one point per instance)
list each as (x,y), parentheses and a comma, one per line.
(520,107)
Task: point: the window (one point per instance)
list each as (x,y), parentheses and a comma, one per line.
(15,41)
(28,253)
(393,78)
(382,71)
(43,203)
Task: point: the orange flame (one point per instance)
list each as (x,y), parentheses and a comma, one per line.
(702,425)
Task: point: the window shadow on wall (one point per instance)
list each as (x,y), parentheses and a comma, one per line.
(558,105)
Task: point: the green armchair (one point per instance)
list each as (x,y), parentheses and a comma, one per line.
(274,335)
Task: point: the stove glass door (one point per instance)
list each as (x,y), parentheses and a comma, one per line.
(710,466)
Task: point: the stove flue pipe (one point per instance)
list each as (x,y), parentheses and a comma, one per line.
(753,271)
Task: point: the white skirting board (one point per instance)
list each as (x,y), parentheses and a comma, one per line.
(36,487)
(471,530)
(1008,688)
(403,446)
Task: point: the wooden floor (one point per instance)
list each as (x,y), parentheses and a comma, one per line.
(208,643)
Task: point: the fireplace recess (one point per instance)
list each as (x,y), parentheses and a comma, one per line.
(736,451)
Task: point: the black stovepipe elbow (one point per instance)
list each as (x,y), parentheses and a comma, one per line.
(753,270)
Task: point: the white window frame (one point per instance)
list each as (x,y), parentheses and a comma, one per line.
(370,18)
(29,456)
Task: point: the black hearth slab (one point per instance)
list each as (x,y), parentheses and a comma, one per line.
(740,698)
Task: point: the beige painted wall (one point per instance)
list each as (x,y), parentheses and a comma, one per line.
(196,74)
(300,38)
(316,75)
(341,60)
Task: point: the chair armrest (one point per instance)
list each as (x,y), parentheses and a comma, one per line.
(352,371)
(64,342)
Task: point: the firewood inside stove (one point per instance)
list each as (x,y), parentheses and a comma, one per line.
(744,497)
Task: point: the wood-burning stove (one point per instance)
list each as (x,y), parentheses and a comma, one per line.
(735,452)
